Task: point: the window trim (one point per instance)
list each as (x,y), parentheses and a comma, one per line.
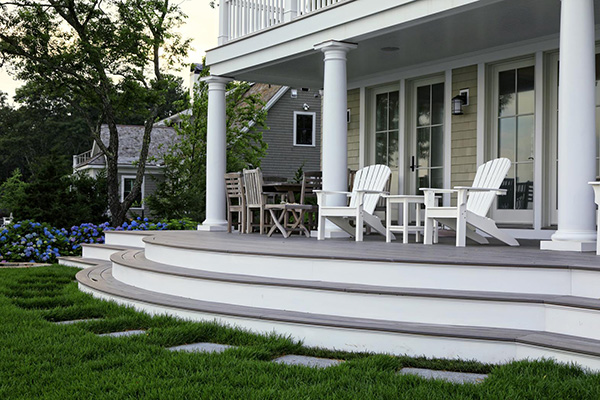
(132,177)
(314,128)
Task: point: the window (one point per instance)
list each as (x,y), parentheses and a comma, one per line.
(387,111)
(304,128)
(126,188)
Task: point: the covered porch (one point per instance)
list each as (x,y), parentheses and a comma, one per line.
(359,52)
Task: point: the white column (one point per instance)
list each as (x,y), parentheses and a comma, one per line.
(216,156)
(335,128)
(223,22)
(576,129)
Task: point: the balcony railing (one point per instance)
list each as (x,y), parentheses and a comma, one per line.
(242,17)
(79,159)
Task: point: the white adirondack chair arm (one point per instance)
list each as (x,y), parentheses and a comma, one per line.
(435,190)
(372,191)
(481,189)
(326,192)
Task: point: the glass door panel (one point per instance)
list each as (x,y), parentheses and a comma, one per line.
(515,128)
(427,160)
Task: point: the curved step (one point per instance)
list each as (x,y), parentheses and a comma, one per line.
(547,313)
(440,267)
(493,345)
(102,251)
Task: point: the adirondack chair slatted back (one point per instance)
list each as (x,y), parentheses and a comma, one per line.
(373,177)
(253,183)
(311,180)
(489,175)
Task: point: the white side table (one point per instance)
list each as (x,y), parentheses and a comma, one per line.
(596,186)
(405,228)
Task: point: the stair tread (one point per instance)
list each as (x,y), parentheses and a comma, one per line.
(87,260)
(137,259)
(100,278)
(110,246)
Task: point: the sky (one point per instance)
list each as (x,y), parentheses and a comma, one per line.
(202,26)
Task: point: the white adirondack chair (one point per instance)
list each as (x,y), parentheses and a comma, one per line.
(473,203)
(369,184)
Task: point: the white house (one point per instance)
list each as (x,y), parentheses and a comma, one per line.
(397,65)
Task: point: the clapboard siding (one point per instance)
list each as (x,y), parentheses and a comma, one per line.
(283,158)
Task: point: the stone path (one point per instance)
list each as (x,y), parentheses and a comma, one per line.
(307,361)
(454,377)
(202,347)
(76,321)
(124,333)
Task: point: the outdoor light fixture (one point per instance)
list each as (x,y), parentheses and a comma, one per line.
(305,107)
(459,101)
(294,93)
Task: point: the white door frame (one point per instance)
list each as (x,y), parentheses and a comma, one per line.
(411,131)
(525,217)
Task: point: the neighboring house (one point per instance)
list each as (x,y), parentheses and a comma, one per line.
(399,66)
(130,141)
(293,133)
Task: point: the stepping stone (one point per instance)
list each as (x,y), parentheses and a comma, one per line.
(307,361)
(202,348)
(76,321)
(454,377)
(124,333)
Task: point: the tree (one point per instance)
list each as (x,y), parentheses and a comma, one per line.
(183,192)
(99,56)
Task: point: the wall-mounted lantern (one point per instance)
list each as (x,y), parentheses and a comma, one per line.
(460,101)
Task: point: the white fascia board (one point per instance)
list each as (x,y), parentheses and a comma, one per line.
(348,20)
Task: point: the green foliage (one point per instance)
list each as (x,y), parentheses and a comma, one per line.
(49,196)
(12,192)
(182,193)
(110,61)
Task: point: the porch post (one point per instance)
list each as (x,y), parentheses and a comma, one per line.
(216,158)
(223,22)
(576,129)
(335,129)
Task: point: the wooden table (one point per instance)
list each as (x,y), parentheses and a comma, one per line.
(405,228)
(280,222)
(287,188)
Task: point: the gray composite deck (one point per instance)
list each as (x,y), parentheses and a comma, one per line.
(374,248)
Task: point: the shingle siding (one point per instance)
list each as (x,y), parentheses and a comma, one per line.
(283,158)
(354,129)
(464,129)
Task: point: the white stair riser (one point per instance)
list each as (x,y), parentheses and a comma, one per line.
(98,252)
(430,310)
(71,263)
(355,340)
(118,238)
(510,279)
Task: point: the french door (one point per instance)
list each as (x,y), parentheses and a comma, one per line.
(385,128)
(426,142)
(513,129)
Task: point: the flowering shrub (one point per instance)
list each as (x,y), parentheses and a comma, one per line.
(29,241)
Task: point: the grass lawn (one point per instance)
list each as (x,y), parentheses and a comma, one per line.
(41,360)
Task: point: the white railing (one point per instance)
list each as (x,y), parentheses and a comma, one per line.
(242,17)
(79,159)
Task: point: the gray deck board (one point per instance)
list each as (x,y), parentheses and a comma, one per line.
(375,249)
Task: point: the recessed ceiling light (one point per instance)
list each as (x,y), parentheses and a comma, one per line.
(390,48)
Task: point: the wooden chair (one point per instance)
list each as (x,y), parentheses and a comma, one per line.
(236,200)
(369,183)
(473,203)
(311,181)
(255,198)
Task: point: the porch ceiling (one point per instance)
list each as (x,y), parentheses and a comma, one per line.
(490,24)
